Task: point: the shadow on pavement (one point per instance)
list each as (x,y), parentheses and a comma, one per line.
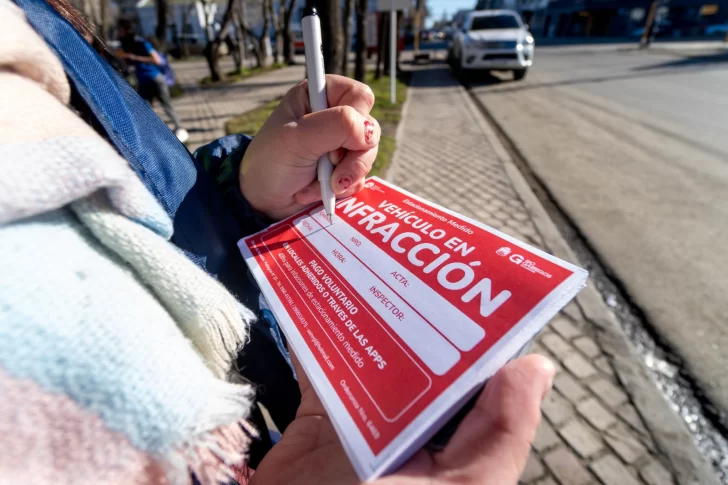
(489,78)
(193,129)
(565,41)
(715,58)
(663,69)
(439,74)
(243,85)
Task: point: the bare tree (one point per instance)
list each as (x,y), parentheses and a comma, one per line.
(245,21)
(399,19)
(264,39)
(381,39)
(183,39)
(212,50)
(209,32)
(330,13)
(240,36)
(419,11)
(362,10)
(160,32)
(277,30)
(288,47)
(348,10)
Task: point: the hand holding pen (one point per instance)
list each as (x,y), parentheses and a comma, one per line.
(313,46)
(278,175)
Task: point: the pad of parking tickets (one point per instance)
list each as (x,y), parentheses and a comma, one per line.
(399,310)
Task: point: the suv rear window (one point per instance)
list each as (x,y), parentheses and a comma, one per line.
(495,22)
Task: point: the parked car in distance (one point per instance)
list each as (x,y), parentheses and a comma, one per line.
(298,42)
(493,40)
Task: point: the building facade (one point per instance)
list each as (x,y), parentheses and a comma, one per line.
(617,18)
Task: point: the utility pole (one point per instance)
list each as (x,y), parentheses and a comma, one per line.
(647,36)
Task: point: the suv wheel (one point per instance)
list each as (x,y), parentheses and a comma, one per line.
(519,74)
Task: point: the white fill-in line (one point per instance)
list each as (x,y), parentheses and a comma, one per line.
(455,325)
(434,350)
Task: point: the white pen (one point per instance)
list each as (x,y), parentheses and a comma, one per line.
(311,26)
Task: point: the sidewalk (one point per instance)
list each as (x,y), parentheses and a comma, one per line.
(604,422)
(204,111)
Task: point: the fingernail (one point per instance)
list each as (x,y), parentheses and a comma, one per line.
(368,131)
(342,185)
(337,155)
(549,369)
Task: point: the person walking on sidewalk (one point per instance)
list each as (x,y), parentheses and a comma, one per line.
(148,65)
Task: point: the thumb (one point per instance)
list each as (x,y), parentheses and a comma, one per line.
(495,437)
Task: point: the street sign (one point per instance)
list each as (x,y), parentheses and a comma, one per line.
(388,5)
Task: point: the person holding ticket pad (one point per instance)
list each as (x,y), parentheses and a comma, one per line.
(491,444)
(123,357)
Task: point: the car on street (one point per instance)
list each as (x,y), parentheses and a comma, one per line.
(298,42)
(493,40)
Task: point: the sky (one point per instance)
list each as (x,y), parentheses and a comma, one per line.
(437,7)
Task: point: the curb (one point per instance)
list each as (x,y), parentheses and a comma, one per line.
(667,428)
(394,163)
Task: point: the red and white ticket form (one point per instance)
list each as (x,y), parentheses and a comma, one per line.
(399,309)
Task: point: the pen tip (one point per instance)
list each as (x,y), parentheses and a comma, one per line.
(331,219)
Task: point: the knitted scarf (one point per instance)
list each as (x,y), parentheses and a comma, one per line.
(115,350)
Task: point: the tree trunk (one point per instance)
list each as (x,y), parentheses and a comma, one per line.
(248,32)
(330,13)
(289,49)
(234,48)
(184,44)
(161,31)
(212,50)
(240,36)
(208,25)
(381,38)
(362,10)
(418,23)
(386,49)
(649,25)
(277,51)
(264,40)
(399,19)
(280,49)
(348,10)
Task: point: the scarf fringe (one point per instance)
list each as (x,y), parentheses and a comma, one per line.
(216,451)
(204,311)
(214,457)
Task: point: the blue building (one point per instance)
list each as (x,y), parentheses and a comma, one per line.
(617,18)
(627,18)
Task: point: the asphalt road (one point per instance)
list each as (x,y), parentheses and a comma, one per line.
(634,147)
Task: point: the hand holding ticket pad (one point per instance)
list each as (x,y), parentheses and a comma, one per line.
(400,311)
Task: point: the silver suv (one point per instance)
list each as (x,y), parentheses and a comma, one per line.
(493,40)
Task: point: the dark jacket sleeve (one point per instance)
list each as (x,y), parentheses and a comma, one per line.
(265,358)
(221,159)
